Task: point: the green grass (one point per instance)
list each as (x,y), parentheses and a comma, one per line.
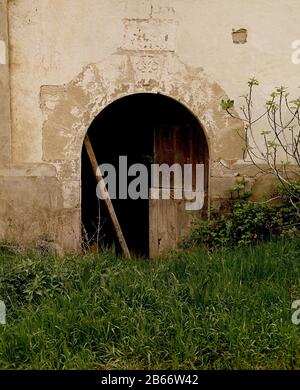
(227,310)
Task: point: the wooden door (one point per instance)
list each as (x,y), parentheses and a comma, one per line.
(168,218)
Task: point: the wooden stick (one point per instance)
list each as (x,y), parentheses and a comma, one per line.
(106,197)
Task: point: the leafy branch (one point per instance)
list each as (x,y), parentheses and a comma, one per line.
(275,149)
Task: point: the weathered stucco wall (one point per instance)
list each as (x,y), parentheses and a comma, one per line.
(70,58)
(5,129)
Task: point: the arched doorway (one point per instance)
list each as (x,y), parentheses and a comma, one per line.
(147,129)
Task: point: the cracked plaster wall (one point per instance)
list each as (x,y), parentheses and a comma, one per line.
(69,59)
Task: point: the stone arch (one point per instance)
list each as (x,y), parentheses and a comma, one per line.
(147,128)
(69,110)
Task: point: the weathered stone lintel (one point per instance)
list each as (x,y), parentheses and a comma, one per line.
(29,170)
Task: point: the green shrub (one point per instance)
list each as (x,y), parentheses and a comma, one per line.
(249,223)
(30,279)
(291,196)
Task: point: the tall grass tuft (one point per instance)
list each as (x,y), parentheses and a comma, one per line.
(230,309)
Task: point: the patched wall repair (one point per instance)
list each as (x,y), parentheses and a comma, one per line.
(239,36)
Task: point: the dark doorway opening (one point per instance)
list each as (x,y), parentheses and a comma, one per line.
(129,127)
